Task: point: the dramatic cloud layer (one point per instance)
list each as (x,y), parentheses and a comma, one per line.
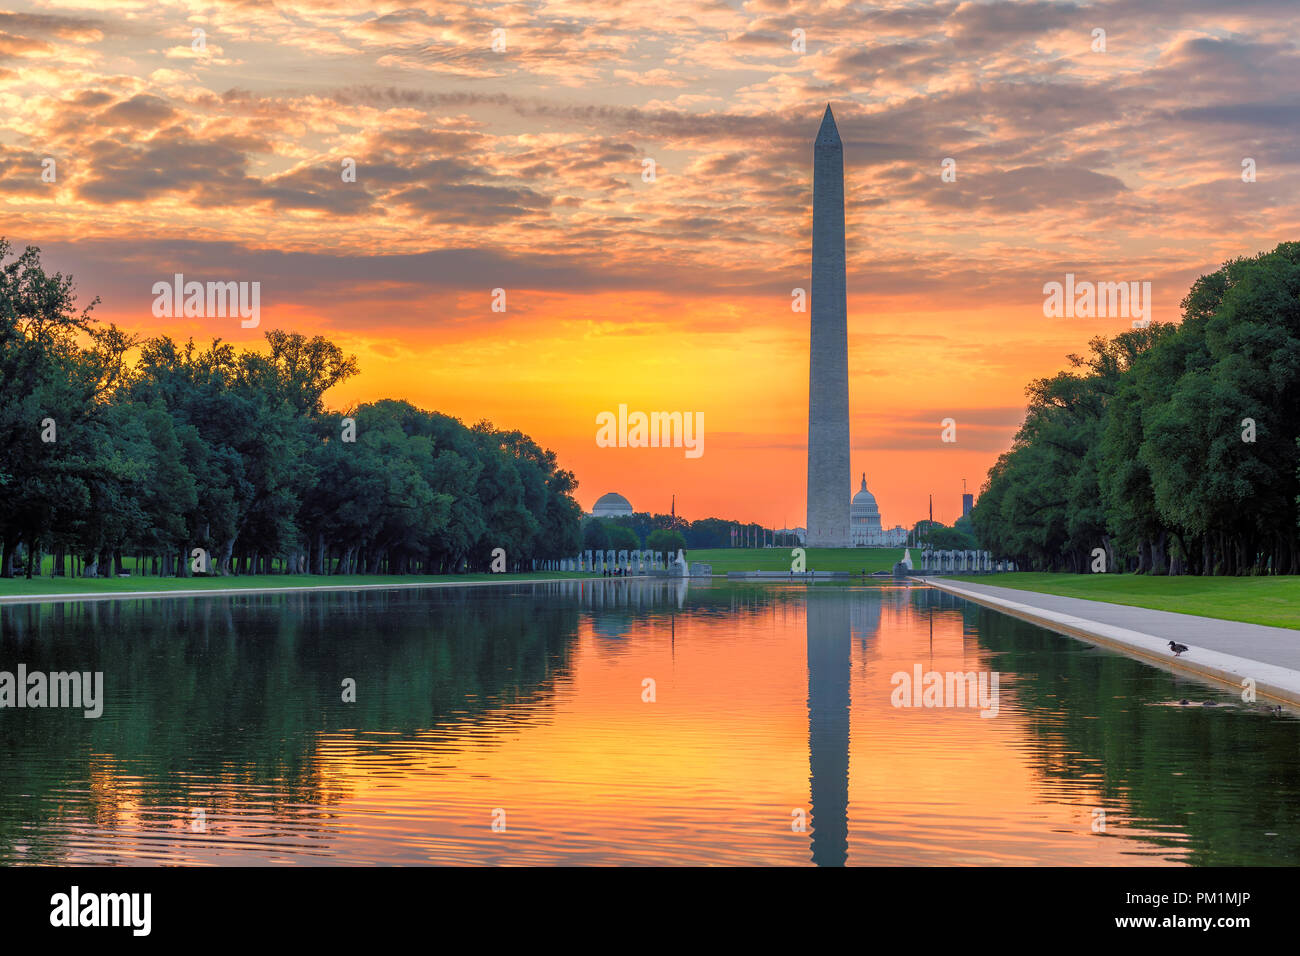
(503,145)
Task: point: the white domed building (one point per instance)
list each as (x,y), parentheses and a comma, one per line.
(865,528)
(611,505)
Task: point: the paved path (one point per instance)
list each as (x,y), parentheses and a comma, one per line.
(1224,652)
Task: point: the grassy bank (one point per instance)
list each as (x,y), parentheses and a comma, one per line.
(855,560)
(15,587)
(1273,601)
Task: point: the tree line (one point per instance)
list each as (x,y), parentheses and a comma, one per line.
(232,453)
(939,536)
(630,533)
(1171,448)
(668,533)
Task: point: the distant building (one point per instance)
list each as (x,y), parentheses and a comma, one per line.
(611,505)
(967,503)
(865,526)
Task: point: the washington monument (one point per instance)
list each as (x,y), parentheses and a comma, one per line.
(828,353)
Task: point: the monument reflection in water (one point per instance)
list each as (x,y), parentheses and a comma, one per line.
(772,701)
(829,652)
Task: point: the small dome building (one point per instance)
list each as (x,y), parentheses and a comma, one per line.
(611,505)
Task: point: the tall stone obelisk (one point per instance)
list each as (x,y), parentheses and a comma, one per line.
(828,354)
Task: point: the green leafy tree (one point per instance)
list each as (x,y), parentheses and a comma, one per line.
(595,536)
(669,541)
(621,538)
(235,453)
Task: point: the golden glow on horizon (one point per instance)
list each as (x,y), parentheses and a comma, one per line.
(587,777)
(521,169)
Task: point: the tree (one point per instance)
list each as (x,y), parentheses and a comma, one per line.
(234,452)
(1174,448)
(669,541)
(595,536)
(621,538)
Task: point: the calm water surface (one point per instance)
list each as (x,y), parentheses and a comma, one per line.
(225,739)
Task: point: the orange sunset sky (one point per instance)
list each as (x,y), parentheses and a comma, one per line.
(521,168)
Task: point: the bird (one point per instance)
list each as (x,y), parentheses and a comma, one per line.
(1177,648)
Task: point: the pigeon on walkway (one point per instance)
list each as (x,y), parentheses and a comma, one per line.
(1177,648)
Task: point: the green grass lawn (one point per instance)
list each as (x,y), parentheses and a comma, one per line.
(47,585)
(818,559)
(722,559)
(1269,600)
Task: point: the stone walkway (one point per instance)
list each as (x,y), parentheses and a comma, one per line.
(1224,652)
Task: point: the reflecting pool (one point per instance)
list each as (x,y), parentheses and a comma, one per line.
(632,722)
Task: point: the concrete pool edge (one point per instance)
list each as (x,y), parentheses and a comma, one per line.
(1281,684)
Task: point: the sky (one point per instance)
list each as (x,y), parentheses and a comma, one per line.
(211,139)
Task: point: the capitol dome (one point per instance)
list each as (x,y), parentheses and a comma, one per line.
(863,513)
(611,505)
